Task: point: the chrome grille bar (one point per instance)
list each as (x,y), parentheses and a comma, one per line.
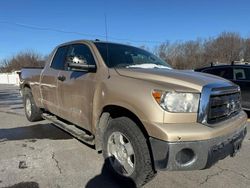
(218,102)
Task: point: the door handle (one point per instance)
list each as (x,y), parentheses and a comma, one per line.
(61,78)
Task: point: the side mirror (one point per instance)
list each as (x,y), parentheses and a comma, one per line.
(82,67)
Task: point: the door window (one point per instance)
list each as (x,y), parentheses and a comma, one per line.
(80,53)
(59,58)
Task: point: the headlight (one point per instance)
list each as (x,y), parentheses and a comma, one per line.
(177,102)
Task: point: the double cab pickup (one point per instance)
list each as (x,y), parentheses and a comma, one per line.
(133,107)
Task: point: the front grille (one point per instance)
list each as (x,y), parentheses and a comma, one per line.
(223,105)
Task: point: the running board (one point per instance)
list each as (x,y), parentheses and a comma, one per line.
(70,128)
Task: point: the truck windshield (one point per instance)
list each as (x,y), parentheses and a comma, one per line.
(118,55)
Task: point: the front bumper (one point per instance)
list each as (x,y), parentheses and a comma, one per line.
(194,155)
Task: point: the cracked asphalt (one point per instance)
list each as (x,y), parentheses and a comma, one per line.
(39,155)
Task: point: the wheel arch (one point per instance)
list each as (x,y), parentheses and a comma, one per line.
(25,85)
(111,112)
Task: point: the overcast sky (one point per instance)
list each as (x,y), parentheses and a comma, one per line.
(41,25)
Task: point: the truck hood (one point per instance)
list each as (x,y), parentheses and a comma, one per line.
(186,78)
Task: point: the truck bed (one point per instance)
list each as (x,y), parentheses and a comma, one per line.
(31,73)
(31,77)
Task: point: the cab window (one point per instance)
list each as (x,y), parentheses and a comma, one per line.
(80,53)
(59,58)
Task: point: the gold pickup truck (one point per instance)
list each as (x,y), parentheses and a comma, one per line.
(133,107)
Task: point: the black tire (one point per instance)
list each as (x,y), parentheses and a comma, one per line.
(143,170)
(35,113)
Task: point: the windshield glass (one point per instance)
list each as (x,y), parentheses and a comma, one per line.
(117,55)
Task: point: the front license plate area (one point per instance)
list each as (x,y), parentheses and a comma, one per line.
(236,146)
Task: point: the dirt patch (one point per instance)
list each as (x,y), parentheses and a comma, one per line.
(21,155)
(32,140)
(33,132)
(32,148)
(22,165)
(24,145)
(24,185)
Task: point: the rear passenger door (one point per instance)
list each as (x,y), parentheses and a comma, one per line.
(76,90)
(242,78)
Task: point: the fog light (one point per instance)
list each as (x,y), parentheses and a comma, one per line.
(185,156)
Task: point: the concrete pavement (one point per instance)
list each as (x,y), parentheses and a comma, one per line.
(41,155)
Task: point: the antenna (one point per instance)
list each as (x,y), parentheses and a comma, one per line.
(106,27)
(107,50)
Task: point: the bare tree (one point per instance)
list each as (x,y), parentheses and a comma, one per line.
(247,50)
(22,59)
(225,48)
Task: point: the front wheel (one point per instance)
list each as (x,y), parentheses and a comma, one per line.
(126,151)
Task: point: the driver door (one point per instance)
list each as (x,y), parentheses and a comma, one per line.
(76,89)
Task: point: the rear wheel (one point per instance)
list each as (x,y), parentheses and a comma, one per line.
(126,152)
(32,112)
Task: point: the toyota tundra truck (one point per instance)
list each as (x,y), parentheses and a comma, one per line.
(133,107)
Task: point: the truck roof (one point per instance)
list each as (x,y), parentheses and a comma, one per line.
(90,41)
